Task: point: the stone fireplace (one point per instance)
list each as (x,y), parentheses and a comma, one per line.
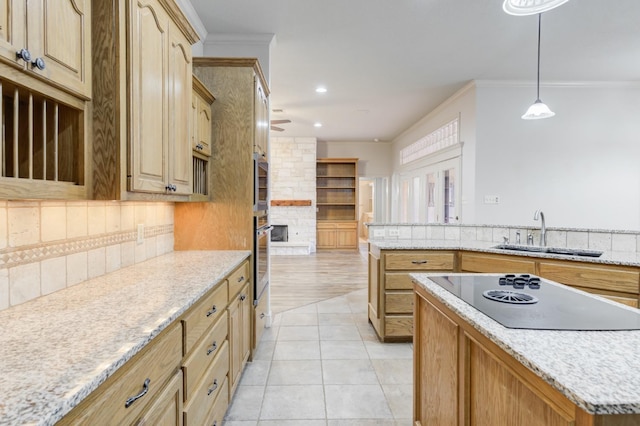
(293,193)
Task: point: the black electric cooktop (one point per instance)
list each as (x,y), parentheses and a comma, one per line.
(529,302)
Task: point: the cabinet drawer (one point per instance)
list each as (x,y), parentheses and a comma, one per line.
(595,277)
(398,326)
(155,366)
(167,408)
(419,261)
(214,384)
(238,278)
(216,415)
(495,264)
(397,281)
(398,302)
(203,355)
(204,314)
(346,225)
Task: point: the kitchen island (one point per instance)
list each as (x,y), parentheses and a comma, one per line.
(469,369)
(615,274)
(58,349)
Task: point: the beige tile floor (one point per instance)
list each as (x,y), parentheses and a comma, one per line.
(322,365)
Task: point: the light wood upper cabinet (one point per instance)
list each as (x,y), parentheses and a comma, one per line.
(201,102)
(142,100)
(261,142)
(180,76)
(54,37)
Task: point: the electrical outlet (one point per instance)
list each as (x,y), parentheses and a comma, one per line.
(491,199)
(378,232)
(140,238)
(393,232)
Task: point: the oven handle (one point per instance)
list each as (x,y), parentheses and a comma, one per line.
(264,229)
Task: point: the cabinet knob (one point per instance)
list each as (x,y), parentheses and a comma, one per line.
(262,315)
(38,63)
(171,187)
(212,311)
(242,297)
(145,389)
(24,55)
(200,146)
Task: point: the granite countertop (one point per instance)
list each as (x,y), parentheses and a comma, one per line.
(597,370)
(58,348)
(622,258)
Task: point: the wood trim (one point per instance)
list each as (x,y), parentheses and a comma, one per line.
(336,160)
(291,203)
(180,20)
(234,62)
(202,90)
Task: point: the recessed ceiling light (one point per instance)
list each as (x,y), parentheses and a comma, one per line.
(376,140)
(317,124)
(321,89)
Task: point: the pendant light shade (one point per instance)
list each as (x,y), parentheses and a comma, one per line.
(530,7)
(539,109)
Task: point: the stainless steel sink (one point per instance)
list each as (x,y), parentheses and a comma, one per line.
(550,250)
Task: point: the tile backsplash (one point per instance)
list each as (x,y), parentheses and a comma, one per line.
(46,246)
(594,239)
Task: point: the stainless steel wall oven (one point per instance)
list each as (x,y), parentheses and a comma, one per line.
(261,183)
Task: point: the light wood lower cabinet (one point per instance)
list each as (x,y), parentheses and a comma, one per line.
(123,397)
(391,289)
(187,374)
(462,378)
(337,235)
(239,335)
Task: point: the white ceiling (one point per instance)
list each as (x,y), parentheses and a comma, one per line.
(387,63)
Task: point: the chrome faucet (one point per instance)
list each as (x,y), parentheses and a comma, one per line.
(543,228)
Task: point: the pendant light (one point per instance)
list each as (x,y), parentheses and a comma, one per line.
(539,109)
(530,7)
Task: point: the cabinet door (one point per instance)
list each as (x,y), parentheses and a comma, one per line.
(245,316)
(347,236)
(261,120)
(166,410)
(59,35)
(235,337)
(12,30)
(435,366)
(326,237)
(148,97)
(204,127)
(180,173)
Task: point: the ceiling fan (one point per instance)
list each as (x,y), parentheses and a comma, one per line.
(276,128)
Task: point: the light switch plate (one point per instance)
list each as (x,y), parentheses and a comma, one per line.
(378,232)
(491,199)
(393,232)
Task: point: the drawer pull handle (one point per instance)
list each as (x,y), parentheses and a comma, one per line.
(240,279)
(418,262)
(212,348)
(213,310)
(145,389)
(215,423)
(213,387)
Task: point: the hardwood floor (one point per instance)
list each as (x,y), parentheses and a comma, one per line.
(300,280)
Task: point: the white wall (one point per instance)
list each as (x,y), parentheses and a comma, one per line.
(580,167)
(373,157)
